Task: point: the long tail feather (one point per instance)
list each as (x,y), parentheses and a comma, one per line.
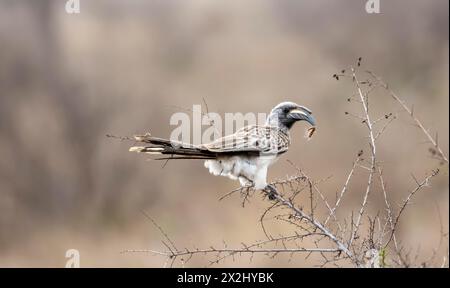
(175,150)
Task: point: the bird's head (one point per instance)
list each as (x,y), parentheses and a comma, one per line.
(285,114)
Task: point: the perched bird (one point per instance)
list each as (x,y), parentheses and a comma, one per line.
(245,155)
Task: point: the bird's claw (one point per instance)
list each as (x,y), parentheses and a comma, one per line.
(271,192)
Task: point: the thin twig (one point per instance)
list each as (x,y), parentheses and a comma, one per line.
(373,155)
(419,186)
(410,112)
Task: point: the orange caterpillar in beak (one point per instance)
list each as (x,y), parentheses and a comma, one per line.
(309,133)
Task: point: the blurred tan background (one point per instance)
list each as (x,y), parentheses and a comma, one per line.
(120,67)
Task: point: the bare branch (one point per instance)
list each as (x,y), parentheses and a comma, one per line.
(344,189)
(368,123)
(423,183)
(410,112)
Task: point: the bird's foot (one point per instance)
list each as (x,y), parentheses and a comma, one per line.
(271,191)
(245,182)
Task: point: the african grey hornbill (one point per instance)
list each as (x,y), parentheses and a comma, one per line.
(244,155)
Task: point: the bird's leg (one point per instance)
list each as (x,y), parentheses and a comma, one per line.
(271,191)
(245,182)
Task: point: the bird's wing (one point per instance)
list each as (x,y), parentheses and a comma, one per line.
(262,139)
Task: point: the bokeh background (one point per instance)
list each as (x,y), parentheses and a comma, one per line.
(124,67)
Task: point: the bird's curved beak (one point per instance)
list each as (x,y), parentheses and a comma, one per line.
(300,114)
